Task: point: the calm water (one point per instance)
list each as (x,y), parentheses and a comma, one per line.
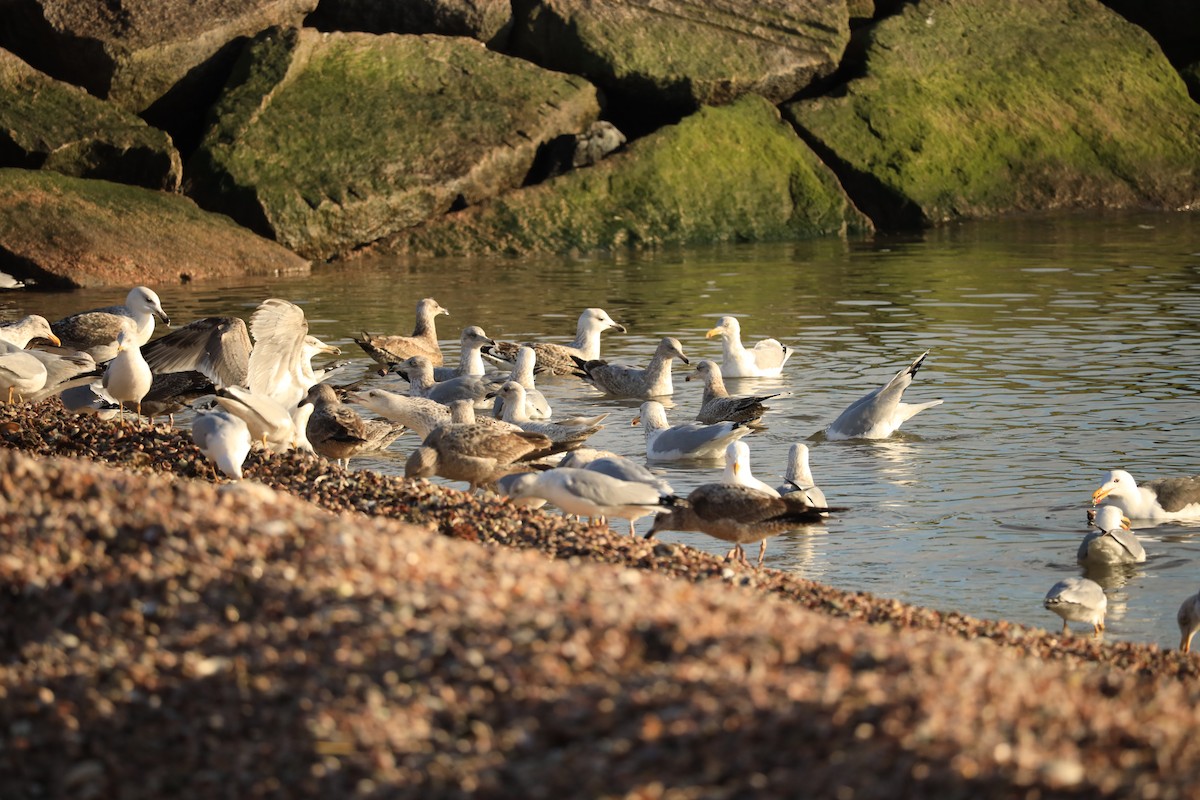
(1062,348)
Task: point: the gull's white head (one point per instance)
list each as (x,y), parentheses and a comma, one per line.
(1117,484)
(727,326)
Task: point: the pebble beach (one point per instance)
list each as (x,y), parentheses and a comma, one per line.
(311,631)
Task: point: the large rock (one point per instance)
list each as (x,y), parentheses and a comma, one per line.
(76,232)
(731,173)
(485,20)
(685,54)
(331,141)
(48,124)
(969,109)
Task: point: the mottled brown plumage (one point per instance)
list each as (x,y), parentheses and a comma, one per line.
(389,349)
(477,454)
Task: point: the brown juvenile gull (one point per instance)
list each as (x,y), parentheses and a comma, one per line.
(766,360)
(477,454)
(217,347)
(737,514)
(1188,619)
(334,429)
(619,380)
(390,349)
(420,414)
(95,331)
(799,476)
(172,392)
(1078,600)
(879,413)
(26,329)
(1164,498)
(558,359)
(691,440)
(718,406)
(1112,543)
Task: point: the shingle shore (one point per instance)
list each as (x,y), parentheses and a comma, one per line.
(164,637)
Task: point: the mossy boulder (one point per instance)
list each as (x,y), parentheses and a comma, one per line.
(485,20)
(685,54)
(734,173)
(327,142)
(969,109)
(48,124)
(68,231)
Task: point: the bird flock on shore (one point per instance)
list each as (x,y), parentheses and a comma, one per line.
(484,421)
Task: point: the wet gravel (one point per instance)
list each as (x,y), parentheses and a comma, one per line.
(315,632)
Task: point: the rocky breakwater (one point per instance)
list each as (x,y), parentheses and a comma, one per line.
(442,126)
(309,632)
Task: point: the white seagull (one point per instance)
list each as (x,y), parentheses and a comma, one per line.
(224,439)
(766,360)
(587,493)
(691,440)
(1078,600)
(1113,542)
(127,378)
(878,414)
(1165,498)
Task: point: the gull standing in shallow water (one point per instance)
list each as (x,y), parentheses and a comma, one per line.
(878,414)
(691,440)
(388,350)
(1165,498)
(1113,542)
(1188,619)
(475,453)
(224,439)
(737,514)
(1078,600)
(586,493)
(558,359)
(95,332)
(766,360)
(619,380)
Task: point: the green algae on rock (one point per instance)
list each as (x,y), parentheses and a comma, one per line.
(331,141)
(48,124)
(734,173)
(968,109)
(76,232)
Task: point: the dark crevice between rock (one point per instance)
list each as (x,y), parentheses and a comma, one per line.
(33,276)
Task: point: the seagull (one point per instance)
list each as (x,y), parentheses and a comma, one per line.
(1164,498)
(171,392)
(799,477)
(737,514)
(536,405)
(877,415)
(691,440)
(418,371)
(334,429)
(420,414)
(128,377)
(388,350)
(470,359)
(95,332)
(22,374)
(217,347)
(737,469)
(563,435)
(65,369)
(614,466)
(278,428)
(477,454)
(224,439)
(766,360)
(619,380)
(26,329)
(558,359)
(1113,542)
(718,406)
(1188,618)
(280,363)
(1078,600)
(586,493)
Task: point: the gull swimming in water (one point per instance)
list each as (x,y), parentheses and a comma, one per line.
(26,329)
(691,440)
(536,405)
(127,378)
(1113,542)
(878,414)
(217,347)
(737,469)
(562,434)
(619,380)
(717,405)
(1078,600)
(558,359)
(280,363)
(388,350)
(587,493)
(224,439)
(1188,619)
(766,360)
(470,360)
(95,332)
(799,476)
(737,514)
(418,371)
(1164,498)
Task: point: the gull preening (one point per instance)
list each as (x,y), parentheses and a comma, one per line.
(95,332)
(559,359)
(1161,499)
(766,360)
(26,329)
(879,413)
(799,478)
(388,350)
(1113,542)
(224,439)
(216,347)
(690,440)
(619,380)
(1188,619)
(1078,600)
